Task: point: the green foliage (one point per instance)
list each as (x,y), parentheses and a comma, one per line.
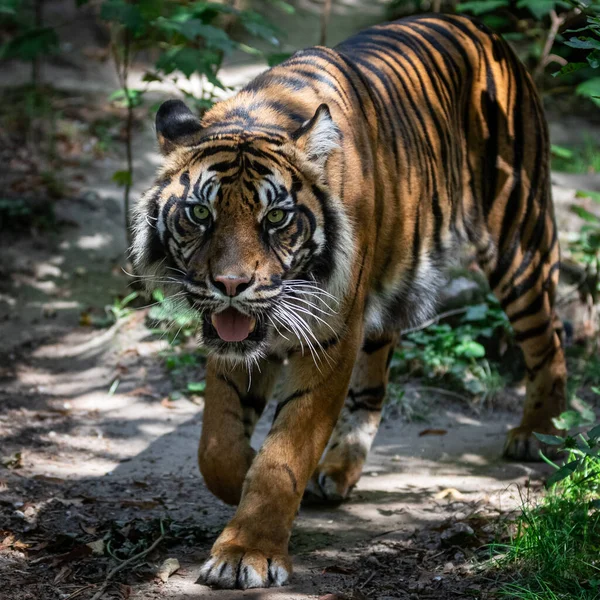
(172,317)
(125,539)
(585,245)
(29,39)
(457,354)
(120,308)
(555,548)
(191,38)
(584,158)
(24,214)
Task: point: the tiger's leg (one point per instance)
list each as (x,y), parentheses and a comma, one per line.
(252,550)
(234,400)
(341,468)
(526,287)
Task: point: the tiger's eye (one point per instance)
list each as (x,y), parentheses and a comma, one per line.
(275,216)
(200,212)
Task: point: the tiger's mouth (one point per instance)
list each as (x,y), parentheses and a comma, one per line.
(232,327)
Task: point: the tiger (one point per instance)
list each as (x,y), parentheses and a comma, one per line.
(309,218)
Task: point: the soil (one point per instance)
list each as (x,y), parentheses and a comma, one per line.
(98,453)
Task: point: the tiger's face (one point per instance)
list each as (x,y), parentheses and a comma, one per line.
(241,227)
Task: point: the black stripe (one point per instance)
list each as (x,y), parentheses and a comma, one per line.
(371,346)
(286,401)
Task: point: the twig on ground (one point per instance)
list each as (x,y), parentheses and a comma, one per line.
(79,591)
(124,564)
(362,585)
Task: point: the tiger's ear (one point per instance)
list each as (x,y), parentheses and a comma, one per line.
(176,125)
(319,136)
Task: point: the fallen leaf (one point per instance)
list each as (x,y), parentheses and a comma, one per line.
(75,554)
(389,513)
(449,493)
(167,568)
(166,402)
(338,569)
(63,574)
(49,479)
(97,547)
(142,391)
(13,461)
(88,529)
(85,319)
(433,432)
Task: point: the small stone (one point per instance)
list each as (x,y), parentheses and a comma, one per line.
(456,535)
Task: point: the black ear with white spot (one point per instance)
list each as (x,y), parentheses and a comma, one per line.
(176,125)
(319,136)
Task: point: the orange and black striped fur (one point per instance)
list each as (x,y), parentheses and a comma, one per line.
(309,218)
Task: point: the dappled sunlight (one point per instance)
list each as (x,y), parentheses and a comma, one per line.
(94,242)
(463,419)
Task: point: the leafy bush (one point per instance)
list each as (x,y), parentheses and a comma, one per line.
(457,354)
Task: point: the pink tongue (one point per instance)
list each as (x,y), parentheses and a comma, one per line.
(231,325)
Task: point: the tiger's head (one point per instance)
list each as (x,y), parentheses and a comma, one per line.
(241,223)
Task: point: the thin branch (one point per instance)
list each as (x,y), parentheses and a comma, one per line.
(124,564)
(436,319)
(438,390)
(325,22)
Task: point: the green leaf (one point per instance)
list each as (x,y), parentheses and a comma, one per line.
(479,7)
(583,43)
(595,196)
(124,98)
(255,24)
(196,387)
(124,13)
(540,8)
(561,151)
(284,6)
(187,60)
(477,312)
(584,214)
(594,433)
(551,440)
(570,68)
(470,349)
(590,89)
(562,473)
(122,178)
(192,29)
(593,59)
(567,420)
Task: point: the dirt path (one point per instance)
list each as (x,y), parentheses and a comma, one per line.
(89,458)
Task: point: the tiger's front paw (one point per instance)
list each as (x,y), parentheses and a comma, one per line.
(232,566)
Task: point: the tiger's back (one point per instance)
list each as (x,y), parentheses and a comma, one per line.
(436,114)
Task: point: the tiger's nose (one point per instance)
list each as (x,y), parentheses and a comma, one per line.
(231,285)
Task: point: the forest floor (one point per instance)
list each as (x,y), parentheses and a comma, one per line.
(98,446)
